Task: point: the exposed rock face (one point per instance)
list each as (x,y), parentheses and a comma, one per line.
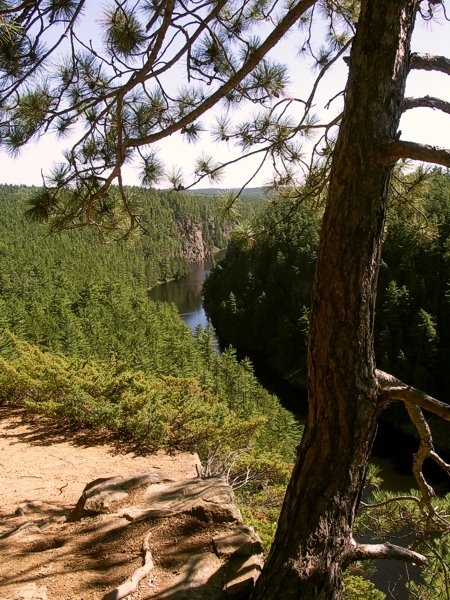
(105,495)
(200,241)
(194,247)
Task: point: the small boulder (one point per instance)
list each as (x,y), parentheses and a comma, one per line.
(107,494)
(238,541)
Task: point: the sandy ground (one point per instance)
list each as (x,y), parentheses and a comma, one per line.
(36,461)
(46,466)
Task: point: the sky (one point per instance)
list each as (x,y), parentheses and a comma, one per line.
(418,125)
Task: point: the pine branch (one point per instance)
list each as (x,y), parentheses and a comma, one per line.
(399,149)
(426,102)
(429,62)
(143,73)
(272,39)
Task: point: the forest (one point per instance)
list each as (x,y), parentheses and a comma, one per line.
(265,281)
(82,342)
(335,138)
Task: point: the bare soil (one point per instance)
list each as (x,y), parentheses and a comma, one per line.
(44,468)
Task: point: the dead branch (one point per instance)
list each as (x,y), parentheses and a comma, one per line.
(429,62)
(426,102)
(394,499)
(130,585)
(392,389)
(424,452)
(384,551)
(399,149)
(395,390)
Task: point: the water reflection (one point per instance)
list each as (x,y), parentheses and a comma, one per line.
(187,294)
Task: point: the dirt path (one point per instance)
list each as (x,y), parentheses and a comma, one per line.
(47,466)
(37,463)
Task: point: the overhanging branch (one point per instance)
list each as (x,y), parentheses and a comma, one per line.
(426,102)
(394,390)
(384,551)
(291,17)
(399,149)
(429,62)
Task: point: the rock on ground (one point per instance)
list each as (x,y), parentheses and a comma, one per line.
(86,540)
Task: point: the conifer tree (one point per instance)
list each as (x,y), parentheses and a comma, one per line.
(120,95)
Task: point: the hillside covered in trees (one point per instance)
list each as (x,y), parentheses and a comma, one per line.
(71,293)
(82,341)
(258,296)
(153,70)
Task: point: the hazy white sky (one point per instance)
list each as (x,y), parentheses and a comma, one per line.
(420,125)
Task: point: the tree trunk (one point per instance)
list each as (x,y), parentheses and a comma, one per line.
(313,539)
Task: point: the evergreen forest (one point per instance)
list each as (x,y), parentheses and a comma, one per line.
(82,342)
(258,295)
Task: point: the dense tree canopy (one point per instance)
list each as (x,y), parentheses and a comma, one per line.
(71,293)
(259,295)
(81,341)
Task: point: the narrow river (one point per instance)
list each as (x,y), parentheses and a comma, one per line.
(186,293)
(392,452)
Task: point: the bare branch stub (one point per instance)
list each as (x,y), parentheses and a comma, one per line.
(386,551)
(430,62)
(395,390)
(426,102)
(399,149)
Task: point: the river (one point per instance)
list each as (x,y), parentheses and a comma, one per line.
(392,451)
(186,293)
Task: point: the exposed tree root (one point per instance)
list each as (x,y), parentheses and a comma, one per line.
(29,525)
(130,585)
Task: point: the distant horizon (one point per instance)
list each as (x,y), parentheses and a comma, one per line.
(202,190)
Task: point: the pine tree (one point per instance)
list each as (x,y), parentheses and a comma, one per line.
(123,110)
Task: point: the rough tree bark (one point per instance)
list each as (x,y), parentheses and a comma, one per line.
(314,541)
